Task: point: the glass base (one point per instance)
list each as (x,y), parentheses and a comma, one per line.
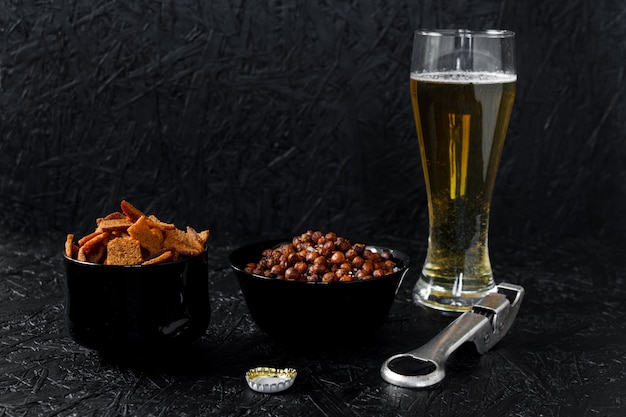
(433,296)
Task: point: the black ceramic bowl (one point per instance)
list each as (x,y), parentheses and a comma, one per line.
(125,308)
(296,311)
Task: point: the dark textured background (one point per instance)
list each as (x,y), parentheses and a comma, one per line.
(267,118)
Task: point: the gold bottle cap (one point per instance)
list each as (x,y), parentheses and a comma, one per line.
(269,380)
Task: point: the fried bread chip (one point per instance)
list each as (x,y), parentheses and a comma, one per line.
(94,248)
(123,251)
(168,255)
(132,212)
(131,237)
(109,225)
(70,248)
(149,238)
(182,242)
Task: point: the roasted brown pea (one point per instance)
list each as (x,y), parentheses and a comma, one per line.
(292,274)
(376,257)
(328,277)
(361,274)
(323,251)
(301,267)
(318,269)
(315,256)
(337,258)
(343,244)
(277,270)
(378,273)
(340,273)
(311,255)
(357,262)
(313,278)
(315,236)
(294,258)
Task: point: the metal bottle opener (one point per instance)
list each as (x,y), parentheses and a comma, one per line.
(484,325)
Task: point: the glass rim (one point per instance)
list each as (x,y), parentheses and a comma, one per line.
(467,33)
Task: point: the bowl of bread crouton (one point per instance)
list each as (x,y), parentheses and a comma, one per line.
(136,282)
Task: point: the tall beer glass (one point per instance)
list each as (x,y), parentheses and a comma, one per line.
(462,90)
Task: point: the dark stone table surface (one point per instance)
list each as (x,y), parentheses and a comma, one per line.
(564,356)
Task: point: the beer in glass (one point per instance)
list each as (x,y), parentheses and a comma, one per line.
(462,91)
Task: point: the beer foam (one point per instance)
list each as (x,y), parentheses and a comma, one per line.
(465,77)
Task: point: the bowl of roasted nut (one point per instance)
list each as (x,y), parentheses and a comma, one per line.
(136,283)
(318,287)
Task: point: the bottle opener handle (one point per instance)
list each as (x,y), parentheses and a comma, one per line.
(484,325)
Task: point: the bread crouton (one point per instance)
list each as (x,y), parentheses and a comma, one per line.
(123,251)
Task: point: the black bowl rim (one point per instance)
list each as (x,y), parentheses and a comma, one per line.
(273,242)
(136,266)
